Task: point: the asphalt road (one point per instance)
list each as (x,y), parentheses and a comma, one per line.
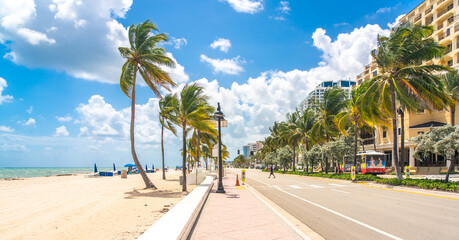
(342,210)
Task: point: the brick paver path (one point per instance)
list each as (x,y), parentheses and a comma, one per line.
(238,214)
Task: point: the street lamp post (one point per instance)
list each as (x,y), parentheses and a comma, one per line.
(220,117)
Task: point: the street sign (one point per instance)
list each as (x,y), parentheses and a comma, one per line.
(407,171)
(243,175)
(353,173)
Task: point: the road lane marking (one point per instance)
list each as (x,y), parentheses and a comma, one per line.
(339,214)
(315,186)
(295,186)
(337,185)
(339,191)
(425,194)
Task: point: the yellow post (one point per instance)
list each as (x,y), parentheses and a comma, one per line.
(407,171)
(353,173)
(243,176)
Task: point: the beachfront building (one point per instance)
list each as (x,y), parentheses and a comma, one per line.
(443,15)
(249,150)
(317,95)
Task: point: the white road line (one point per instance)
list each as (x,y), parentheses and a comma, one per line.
(339,191)
(339,214)
(337,185)
(295,186)
(315,186)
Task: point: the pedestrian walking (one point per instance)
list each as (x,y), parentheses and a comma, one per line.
(272,172)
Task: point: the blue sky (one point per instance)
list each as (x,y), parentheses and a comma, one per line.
(60,102)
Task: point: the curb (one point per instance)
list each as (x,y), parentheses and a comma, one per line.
(179,221)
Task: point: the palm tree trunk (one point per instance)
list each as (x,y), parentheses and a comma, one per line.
(374,138)
(184,157)
(294,159)
(197,154)
(355,143)
(453,113)
(148,183)
(162,151)
(326,157)
(395,135)
(402,139)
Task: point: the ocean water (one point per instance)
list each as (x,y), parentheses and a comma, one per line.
(44,171)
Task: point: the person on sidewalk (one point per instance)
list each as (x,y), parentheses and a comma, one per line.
(272,172)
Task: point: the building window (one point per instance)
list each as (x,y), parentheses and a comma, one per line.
(421,111)
(420,132)
(375,72)
(399,131)
(450,63)
(384,134)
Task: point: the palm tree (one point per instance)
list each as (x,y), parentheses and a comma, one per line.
(303,128)
(403,81)
(289,135)
(452,89)
(144,57)
(201,139)
(166,119)
(192,110)
(360,114)
(334,101)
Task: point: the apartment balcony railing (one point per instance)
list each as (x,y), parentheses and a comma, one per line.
(439,26)
(456,28)
(440,2)
(450,20)
(429,10)
(417,18)
(441,37)
(445,11)
(429,20)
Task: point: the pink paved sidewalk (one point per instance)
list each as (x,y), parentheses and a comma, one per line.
(238,214)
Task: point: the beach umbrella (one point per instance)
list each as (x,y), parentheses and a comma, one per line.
(153,166)
(95,168)
(146,167)
(129,165)
(114,168)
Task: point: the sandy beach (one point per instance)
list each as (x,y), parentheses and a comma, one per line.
(75,207)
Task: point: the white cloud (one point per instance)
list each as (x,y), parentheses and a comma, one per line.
(179,42)
(29,110)
(61,132)
(384,10)
(397,21)
(13,148)
(6,129)
(284,7)
(226,66)
(246,6)
(64,119)
(221,43)
(4,98)
(54,35)
(34,37)
(101,121)
(178,73)
(30,122)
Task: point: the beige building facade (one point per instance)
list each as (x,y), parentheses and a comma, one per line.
(443,15)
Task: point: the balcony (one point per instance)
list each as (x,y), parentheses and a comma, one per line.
(450,20)
(441,13)
(456,28)
(441,37)
(429,10)
(429,20)
(418,17)
(440,2)
(439,26)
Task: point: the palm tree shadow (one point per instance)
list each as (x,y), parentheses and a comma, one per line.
(154,194)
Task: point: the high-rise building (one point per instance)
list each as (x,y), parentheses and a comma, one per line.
(249,149)
(317,95)
(443,15)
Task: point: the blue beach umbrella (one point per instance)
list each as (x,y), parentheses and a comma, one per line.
(114,168)
(153,166)
(129,165)
(95,168)
(146,167)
